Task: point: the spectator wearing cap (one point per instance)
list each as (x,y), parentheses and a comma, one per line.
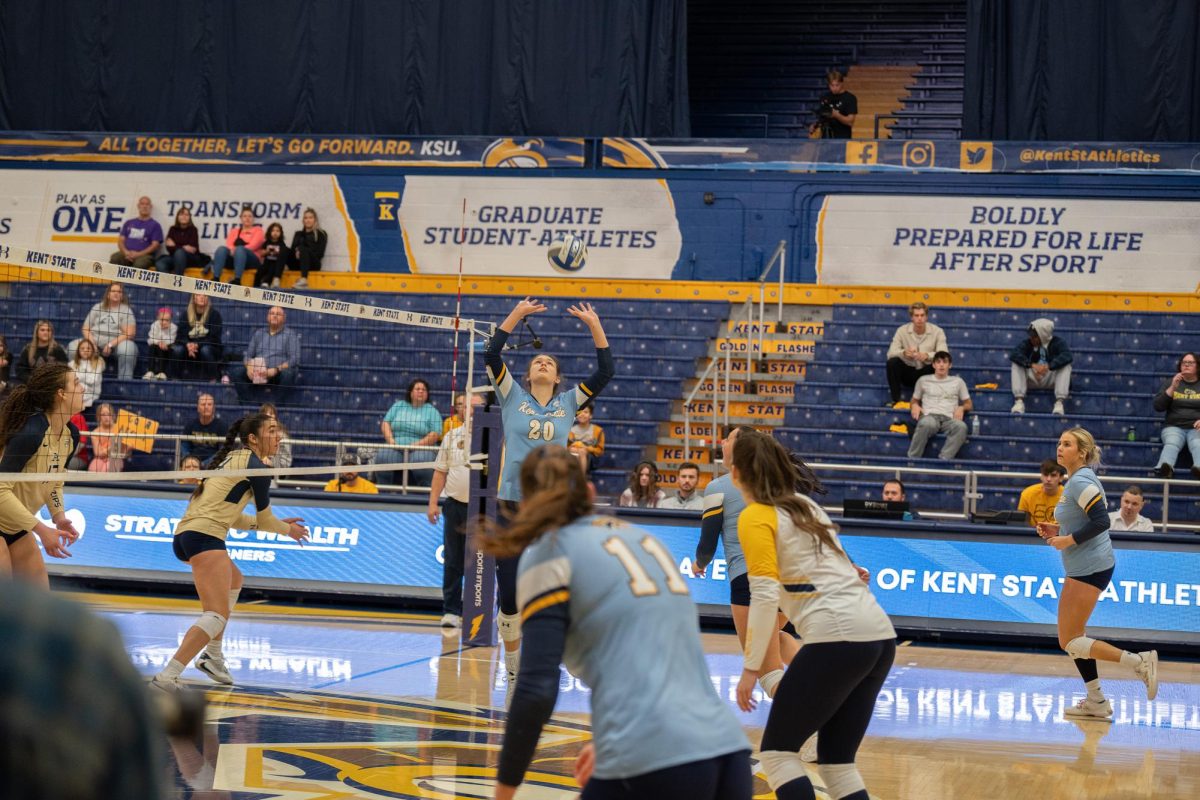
(350,481)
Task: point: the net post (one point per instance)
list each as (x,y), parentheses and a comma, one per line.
(479,590)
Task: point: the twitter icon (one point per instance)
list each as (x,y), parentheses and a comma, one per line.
(975,156)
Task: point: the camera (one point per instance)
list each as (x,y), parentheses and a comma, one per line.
(824,110)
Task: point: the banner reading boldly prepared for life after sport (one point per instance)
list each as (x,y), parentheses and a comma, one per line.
(1009,243)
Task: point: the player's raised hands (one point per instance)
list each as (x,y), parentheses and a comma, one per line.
(585,314)
(528,306)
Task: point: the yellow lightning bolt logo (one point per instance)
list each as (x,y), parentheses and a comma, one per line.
(475,623)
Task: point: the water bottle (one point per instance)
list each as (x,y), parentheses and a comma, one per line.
(974,424)
(1131,434)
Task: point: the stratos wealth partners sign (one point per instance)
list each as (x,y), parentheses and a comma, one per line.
(1009,243)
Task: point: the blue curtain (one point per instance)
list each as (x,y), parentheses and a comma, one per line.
(407,67)
(1082,70)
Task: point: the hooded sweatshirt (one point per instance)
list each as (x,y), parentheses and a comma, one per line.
(1052,350)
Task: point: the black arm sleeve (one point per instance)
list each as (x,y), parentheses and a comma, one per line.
(261,484)
(605,369)
(24,444)
(75,436)
(491,356)
(544,637)
(710,532)
(1098,522)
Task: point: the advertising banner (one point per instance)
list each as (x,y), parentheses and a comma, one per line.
(1009,243)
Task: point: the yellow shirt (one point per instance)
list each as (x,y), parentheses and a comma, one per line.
(360,486)
(450,423)
(1039,505)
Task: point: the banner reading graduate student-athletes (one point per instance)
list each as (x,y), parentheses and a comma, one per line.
(1009,243)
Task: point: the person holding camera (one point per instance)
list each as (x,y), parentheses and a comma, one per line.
(837,110)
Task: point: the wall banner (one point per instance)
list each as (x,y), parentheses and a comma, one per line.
(1009,243)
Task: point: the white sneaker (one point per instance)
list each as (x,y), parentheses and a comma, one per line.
(451,621)
(301,284)
(1148,672)
(1019,406)
(1089,709)
(275,283)
(149,376)
(1058,408)
(162,376)
(161,684)
(808,750)
(214,668)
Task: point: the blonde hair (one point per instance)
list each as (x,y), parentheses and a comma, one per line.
(1087,446)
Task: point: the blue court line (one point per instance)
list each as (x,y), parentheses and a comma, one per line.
(420,660)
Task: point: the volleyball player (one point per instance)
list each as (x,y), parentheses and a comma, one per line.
(37,436)
(605,598)
(214,508)
(1080,533)
(796,563)
(532,417)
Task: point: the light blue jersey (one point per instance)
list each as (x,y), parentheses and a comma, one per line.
(722,498)
(634,638)
(528,425)
(1082,491)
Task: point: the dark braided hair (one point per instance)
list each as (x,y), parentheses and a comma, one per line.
(38,394)
(241,429)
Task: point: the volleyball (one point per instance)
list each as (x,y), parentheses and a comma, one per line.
(567,254)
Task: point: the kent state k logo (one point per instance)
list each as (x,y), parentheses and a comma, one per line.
(387,210)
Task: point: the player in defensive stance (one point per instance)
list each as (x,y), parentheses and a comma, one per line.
(531,417)
(605,598)
(796,563)
(214,508)
(1080,533)
(36,436)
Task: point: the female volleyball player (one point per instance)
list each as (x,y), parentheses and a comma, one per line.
(796,563)
(36,436)
(1080,533)
(214,508)
(605,598)
(533,417)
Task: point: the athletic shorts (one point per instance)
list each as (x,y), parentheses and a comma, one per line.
(1100,579)
(739,590)
(13,538)
(190,543)
(726,777)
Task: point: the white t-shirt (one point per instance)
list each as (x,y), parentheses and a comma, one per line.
(452,459)
(1141,524)
(940,395)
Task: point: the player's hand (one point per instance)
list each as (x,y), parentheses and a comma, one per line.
(528,306)
(296,530)
(699,571)
(1061,543)
(745,689)
(864,574)
(63,524)
(54,541)
(585,314)
(585,762)
(432,515)
(1047,530)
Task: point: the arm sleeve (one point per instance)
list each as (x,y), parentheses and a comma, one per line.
(1063,356)
(939,342)
(598,379)
(252,350)
(1091,500)
(214,328)
(896,348)
(544,638)
(712,522)
(1019,355)
(497,371)
(318,249)
(256,238)
(1161,401)
(756,532)
(264,519)
(14,516)
(597,449)
(919,389)
(293,349)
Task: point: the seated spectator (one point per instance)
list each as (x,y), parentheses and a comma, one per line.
(190,464)
(244,243)
(350,480)
(275,258)
(160,341)
(283,455)
(1038,501)
(89,368)
(205,433)
(183,245)
(112,326)
(5,364)
(643,491)
(139,239)
(42,349)
(911,353)
(197,347)
(685,497)
(1180,399)
(586,440)
(273,358)
(894,492)
(108,452)
(939,403)
(83,451)
(1042,361)
(412,421)
(1129,516)
(308,247)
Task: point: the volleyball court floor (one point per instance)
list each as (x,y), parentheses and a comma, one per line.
(360,704)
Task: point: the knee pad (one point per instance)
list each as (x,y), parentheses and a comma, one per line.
(510,626)
(211,623)
(1080,647)
(781,767)
(841,780)
(769,681)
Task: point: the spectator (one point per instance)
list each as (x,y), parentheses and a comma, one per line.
(685,497)
(183,245)
(308,247)
(452,480)
(139,240)
(198,340)
(89,368)
(245,243)
(205,433)
(1129,516)
(350,481)
(1038,501)
(5,363)
(454,420)
(108,452)
(412,421)
(1044,361)
(160,341)
(42,349)
(586,441)
(275,258)
(912,349)
(190,464)
(112,326)
(83,451)
(1180,399)
(837,110)
(939,403)
(894,492)
(643,491)
(273,357)
(283,454)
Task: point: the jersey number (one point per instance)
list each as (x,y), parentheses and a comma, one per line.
(640,582)
(541,430)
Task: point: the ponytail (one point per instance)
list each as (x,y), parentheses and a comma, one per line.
(556,494)
(39,394)
(242,429)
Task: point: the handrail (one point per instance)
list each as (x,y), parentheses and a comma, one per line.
(687,409)
(779,255)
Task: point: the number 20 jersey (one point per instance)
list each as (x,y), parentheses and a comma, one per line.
(528,425)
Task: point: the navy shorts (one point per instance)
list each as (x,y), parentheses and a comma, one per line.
(739,590)
(12,538)
(726,777)
(190,543)
(1100,579)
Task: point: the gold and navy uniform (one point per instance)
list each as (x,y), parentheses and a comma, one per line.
(222,498)
(34,449)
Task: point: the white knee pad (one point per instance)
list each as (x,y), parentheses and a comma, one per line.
(211,623)
(1080,647)
(782,767)
(510,627)
(841,780)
